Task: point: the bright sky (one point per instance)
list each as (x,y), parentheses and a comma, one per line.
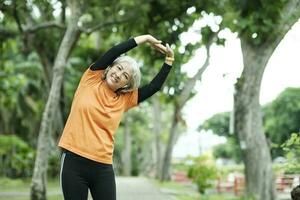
(216,88)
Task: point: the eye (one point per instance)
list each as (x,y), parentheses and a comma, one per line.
(119,67)
(126,76)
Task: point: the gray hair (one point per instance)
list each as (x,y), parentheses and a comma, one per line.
(135,79)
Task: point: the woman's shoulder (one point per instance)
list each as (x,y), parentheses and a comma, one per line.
(90,75)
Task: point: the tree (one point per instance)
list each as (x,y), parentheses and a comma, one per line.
(21,86)
(168,22)
(229,150)
(260,25)
(34,27)
(219,124)
(179,103)
(267,23)
(39,179)
(282,117)
(292,150)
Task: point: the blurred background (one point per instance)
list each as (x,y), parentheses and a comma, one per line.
(224,126)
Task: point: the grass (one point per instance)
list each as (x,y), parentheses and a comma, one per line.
(21,188)
(180,191)
(183,191)
(56,197)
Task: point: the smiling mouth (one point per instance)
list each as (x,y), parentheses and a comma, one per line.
(114,78)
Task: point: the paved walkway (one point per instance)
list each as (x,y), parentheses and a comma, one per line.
(137,188)
(128,188)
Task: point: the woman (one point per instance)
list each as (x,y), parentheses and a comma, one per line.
(107,89)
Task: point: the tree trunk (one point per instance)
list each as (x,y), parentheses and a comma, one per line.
(39,179)
(247,113)
(127,148)
(166,168)
(248,124)
(157,128)
(46,63)
(179,104)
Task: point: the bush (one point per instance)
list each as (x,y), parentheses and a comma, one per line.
(16,157)
(54,164)
(292,151)
(203,171)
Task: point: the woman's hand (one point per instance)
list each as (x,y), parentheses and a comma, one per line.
(155,43)
(146,38)
(167,50)
(169,55)
(160,48)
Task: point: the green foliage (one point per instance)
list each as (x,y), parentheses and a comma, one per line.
(27,56)
(17,158)
(218,123)
(21,92)
(292,151)
(255,21)
(53,165)
(282,117)
(202,172)
(138,124)
(229,150)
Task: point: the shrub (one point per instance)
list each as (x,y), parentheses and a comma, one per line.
(292,150)
(203,171)
(16,157)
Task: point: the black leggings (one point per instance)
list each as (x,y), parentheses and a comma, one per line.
(78,174)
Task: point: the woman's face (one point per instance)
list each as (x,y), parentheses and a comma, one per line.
(118,76)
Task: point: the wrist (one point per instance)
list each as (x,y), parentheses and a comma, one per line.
(141,39)
(146,38)
(169,60)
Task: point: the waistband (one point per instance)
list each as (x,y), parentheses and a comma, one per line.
(74,155)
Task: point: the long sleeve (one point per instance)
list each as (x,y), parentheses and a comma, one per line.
(155,85)
(108,57)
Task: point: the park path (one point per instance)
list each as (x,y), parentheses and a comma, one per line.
(138,188)
(128,188)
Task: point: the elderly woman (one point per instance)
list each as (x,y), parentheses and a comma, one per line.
(107,89)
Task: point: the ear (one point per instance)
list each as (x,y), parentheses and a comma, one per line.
(105,72)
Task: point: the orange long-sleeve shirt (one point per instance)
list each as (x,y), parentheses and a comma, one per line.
(94,117)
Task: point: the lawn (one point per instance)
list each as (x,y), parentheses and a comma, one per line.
(18,189)
(187,191)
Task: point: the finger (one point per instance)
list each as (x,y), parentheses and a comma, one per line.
(168,48)
(156,41)
(161,50)
(160,47)
(169,51)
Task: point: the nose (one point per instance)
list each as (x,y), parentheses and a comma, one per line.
(118,75)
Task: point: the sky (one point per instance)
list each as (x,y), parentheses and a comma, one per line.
(215,91)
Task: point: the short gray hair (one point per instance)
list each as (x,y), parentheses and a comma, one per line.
(135,79)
